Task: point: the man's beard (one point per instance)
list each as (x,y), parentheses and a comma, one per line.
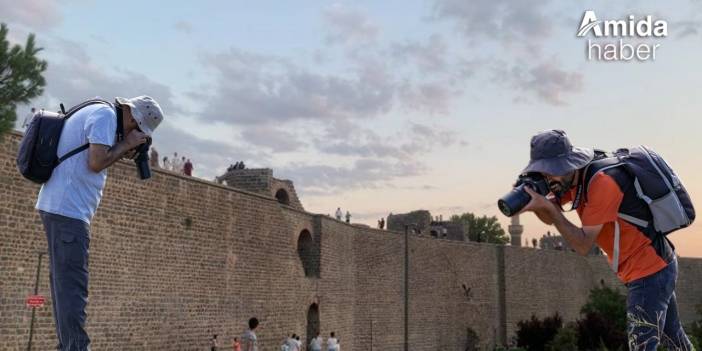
(559,188)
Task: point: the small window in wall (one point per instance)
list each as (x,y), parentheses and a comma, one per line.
(282,196)
(307,253)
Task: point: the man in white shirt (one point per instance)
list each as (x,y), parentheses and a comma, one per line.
(338,213)
(316,343)
(332,343)
(69,199)
(250,340)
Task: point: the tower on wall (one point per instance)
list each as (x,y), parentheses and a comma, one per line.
(515,231)
(261,181)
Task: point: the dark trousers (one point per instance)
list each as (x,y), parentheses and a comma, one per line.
(68,240)
(652,312)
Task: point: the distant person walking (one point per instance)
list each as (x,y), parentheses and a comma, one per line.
(348,217)
(214,344)
(250,340)
(236,345)
(175,163)
(292,343)
(188,168)
(338,213)
(153,158)
(332,342)
(316,343)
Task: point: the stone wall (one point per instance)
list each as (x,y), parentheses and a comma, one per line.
(175,259)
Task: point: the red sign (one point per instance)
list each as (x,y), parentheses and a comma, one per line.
(35,301)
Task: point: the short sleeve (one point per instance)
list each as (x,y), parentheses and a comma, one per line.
(603,200)
(101,126)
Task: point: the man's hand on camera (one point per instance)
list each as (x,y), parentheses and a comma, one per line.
(538,202)
(134,139)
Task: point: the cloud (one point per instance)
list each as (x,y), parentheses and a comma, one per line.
(349,26)
(688,28)
(319,179)
(275,139)
(547,81)
(508,22)
(349,139)
(431,56)
(183,26)
(258,89)
(73,77)
(34,14)
(431,97)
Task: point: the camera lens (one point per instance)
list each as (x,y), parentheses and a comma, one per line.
(514,201)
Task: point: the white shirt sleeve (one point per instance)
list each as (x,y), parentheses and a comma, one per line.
(101,126)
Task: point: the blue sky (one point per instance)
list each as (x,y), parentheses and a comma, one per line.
(378,107)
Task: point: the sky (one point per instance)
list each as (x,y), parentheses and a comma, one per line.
(379,107)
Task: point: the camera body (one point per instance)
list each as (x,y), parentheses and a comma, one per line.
(517,198)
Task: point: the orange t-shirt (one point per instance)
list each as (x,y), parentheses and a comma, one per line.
(637,257)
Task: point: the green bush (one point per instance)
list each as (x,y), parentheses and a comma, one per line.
(565,340)
(609,303)
(534,334)
(472,340)
(694,330)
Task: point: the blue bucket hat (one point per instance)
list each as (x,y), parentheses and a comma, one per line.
(553,154)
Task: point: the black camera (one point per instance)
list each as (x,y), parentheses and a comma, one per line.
(515,200)
(142,159)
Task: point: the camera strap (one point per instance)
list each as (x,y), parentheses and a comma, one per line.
(120,123)
(580,188)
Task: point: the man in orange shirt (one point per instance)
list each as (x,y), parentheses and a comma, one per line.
(645,260)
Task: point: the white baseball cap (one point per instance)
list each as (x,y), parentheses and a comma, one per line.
(146,112)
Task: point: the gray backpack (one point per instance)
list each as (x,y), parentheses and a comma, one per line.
(656,185)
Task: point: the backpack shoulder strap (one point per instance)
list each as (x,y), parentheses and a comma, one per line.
(83,104)
(70,113)
(596,167)
(72,152)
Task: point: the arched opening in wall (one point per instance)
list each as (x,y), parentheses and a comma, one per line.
(312,322)
(307,253)
(282,196)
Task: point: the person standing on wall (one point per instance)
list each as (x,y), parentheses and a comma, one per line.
(249,338)
(69,199)
(188,168)
(214,343)
(606,197)
(316,343)
(338,213)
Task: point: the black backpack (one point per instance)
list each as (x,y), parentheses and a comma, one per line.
(37,156)
(668,206)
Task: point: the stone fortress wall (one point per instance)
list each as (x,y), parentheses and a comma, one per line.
(176,259)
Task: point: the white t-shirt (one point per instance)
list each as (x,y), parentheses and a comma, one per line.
(176,166)
(74,190)
(332,344)
(249,337)
(316,344)
(293,345)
